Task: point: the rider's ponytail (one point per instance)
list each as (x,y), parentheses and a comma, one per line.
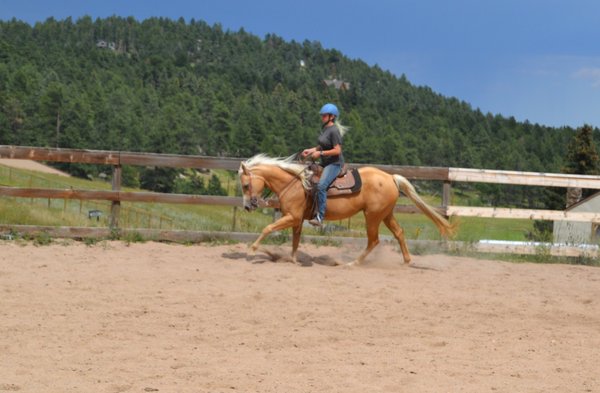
(343,129)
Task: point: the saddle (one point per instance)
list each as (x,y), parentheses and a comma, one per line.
(347,182)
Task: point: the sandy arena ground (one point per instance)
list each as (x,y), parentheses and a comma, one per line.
(156,317)
(30,165)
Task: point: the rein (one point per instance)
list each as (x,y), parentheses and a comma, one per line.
(286,188)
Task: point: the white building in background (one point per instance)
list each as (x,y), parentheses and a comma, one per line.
(338,84)
(578,232)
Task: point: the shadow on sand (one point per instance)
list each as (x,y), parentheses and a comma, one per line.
(263,255)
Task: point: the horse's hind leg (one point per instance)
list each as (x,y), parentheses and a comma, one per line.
(392,224)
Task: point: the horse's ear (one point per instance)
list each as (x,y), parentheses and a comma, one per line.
(244,169)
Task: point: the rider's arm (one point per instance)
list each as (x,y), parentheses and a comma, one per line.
(336,151)
(311,151)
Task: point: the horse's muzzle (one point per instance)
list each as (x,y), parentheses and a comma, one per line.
(253,205)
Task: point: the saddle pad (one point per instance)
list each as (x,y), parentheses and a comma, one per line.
(347,184)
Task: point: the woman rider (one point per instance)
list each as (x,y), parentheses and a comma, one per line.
(329,150)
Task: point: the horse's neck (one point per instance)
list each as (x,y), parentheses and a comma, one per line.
(277,179)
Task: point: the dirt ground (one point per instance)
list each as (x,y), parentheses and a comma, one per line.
(152,317)
(30,165)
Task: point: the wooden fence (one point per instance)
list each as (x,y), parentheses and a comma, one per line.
(446,175)
(95,209)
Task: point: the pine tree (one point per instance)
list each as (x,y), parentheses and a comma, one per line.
(214,186)
(582,156)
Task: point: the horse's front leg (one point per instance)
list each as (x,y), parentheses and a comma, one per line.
(284,222)
(296,232)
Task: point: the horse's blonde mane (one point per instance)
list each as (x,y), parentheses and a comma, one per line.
(287,164)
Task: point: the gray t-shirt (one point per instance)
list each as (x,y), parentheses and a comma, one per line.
(330,137)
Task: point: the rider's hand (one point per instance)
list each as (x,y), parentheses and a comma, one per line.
(307,152)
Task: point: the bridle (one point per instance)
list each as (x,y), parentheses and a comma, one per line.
(254,198)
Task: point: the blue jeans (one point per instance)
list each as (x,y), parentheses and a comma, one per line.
(329,174)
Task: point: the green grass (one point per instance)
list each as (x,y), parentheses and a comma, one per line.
(470,229)
(541,257)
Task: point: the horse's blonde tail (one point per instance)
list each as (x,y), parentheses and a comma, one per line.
(443,225)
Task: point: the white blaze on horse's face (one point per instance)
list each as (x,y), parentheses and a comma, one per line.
(250,200)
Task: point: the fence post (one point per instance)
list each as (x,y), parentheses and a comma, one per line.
(233,224)
(31,185)
(446,197)
(115,208)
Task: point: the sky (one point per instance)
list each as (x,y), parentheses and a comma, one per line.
(535,60)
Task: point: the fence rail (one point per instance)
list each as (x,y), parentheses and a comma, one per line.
(523,178)
(446,175)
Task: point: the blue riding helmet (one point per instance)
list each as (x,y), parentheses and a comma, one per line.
(329,109)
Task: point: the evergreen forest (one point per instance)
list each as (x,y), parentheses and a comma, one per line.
(186,87)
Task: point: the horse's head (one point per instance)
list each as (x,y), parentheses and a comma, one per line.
(252,187)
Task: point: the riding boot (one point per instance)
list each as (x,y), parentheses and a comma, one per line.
(316,221)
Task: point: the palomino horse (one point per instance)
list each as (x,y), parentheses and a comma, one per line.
(290,182)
